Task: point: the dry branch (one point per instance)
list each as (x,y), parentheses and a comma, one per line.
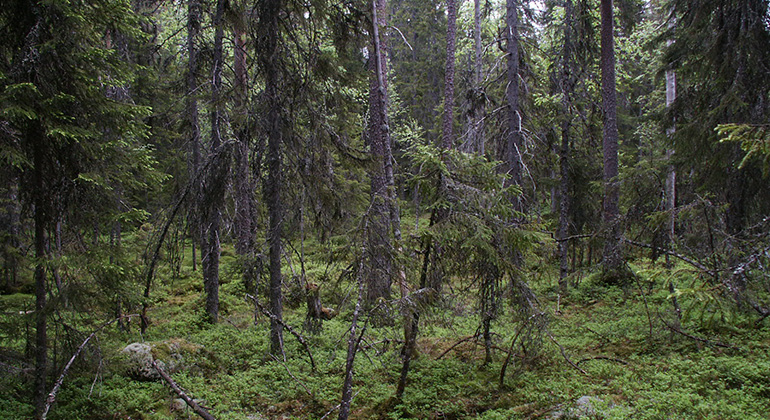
(52,395)
(288,328)
(194,405)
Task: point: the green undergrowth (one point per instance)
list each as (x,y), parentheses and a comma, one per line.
(622,345)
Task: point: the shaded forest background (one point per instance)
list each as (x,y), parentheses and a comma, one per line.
(394,209)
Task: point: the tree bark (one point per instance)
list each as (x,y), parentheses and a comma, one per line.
(41,219)
(191,109)
(449,76)
(510,152)
(243,184)
(216,181)
(611,257)
(478,100)
(271,11)
(382,211)
(670,194)
(564,150)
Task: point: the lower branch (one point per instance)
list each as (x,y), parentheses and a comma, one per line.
(194,405)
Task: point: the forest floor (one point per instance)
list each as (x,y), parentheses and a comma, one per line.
(598,352)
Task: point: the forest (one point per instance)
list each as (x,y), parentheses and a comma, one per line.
(384,209)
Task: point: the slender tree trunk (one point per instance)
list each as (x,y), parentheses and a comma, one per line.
(244,187)
(191,109)
(275,123)
(41,254)
(611,258)
(383,209)
(510,151)
(449,76)
(216,182)
(670,171)
(564,150)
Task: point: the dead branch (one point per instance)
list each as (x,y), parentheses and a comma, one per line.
(194,405)
(684,258)
(457,344)
(292,375)
(510,354)
(52,395)
(702,340)
(611,359)
(288,328)
(564,354)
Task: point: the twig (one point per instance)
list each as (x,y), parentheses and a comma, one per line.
(564,354)
(702,340)
(194,405)
(611,359)
(688,260)
(457,344)
(288,328)
(292,375)
(510,354)
(52,395)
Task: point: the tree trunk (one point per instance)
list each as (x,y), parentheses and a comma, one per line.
(670,193)
(191,109)
(564,150)
(510,151)
(275,123)
(41,219)
(243,185)
(478,98)
(611,258)
(449,76)
(216,180)
(382,211)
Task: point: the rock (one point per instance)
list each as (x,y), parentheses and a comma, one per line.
(140,362)
(584,407)
(167,355)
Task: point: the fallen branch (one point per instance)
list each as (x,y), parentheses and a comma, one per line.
(52,395)
(702,340)
(686,259)
(457,344)
(288,328)
(292,375)
(194,405)
(611,359)
(510,354)
(564,354)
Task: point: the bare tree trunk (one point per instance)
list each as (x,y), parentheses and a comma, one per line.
(191,108)
(449,76)
(670,171)
(510,150)
(243,185)
(478,101)
(41,219)
(383,209)
(611,258)
(353,341)
(270,63)
(216,183)
(564,150)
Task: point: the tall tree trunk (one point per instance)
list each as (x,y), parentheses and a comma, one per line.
(475,143)
(382,213)
(275,123)
(510,151)
(41,219)
(449,76)
(670,171)
(191,109)
(564,151)
(215,182)
(244,187)
(611,258)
